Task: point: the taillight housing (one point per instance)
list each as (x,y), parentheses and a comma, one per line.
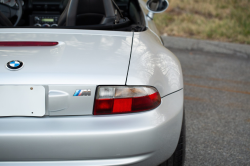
(125,99)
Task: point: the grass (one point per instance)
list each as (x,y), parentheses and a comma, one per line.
(223,20)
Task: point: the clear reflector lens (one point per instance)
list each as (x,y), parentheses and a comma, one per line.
(122,99)
(106,92)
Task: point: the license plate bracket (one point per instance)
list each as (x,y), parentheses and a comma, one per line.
(22,101)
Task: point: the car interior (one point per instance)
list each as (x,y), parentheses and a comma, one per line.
(120,15)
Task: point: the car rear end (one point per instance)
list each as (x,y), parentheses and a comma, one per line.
(70,105)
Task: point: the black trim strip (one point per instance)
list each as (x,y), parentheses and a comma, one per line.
(130,57)
(172,93)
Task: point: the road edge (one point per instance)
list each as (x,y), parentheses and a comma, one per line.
(241,50)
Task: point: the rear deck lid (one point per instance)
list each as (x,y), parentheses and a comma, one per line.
(82,60)
(81,57)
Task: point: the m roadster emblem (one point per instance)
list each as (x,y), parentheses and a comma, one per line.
(86,92)
(14,65)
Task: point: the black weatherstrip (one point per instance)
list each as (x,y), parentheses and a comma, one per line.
(172,93)
(130,57)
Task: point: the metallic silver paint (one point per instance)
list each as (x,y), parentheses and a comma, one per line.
(152,64)
(149,22)
(139,139)
(82,57)
(100,162)
(58,100)
(62,101)
(82,60)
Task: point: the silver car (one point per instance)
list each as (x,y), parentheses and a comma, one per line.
(88,82)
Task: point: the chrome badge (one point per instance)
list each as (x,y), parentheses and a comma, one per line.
(86,92)
(14,65)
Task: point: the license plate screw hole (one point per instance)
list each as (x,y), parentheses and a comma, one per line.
(31,88)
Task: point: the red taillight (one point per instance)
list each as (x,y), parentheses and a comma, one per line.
(116,100)
(26,44)
(103,105)
(146,102)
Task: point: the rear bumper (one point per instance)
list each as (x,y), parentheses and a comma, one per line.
(146,138)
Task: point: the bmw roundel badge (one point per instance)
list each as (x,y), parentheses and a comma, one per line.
(14,65)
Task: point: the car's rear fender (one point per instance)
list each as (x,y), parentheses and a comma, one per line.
(153,64)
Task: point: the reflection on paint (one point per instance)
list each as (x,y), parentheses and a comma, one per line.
(82,57)
(152,64)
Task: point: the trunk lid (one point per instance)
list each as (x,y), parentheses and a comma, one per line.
(82,60)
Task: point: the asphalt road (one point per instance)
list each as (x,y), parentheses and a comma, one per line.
(217,102)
